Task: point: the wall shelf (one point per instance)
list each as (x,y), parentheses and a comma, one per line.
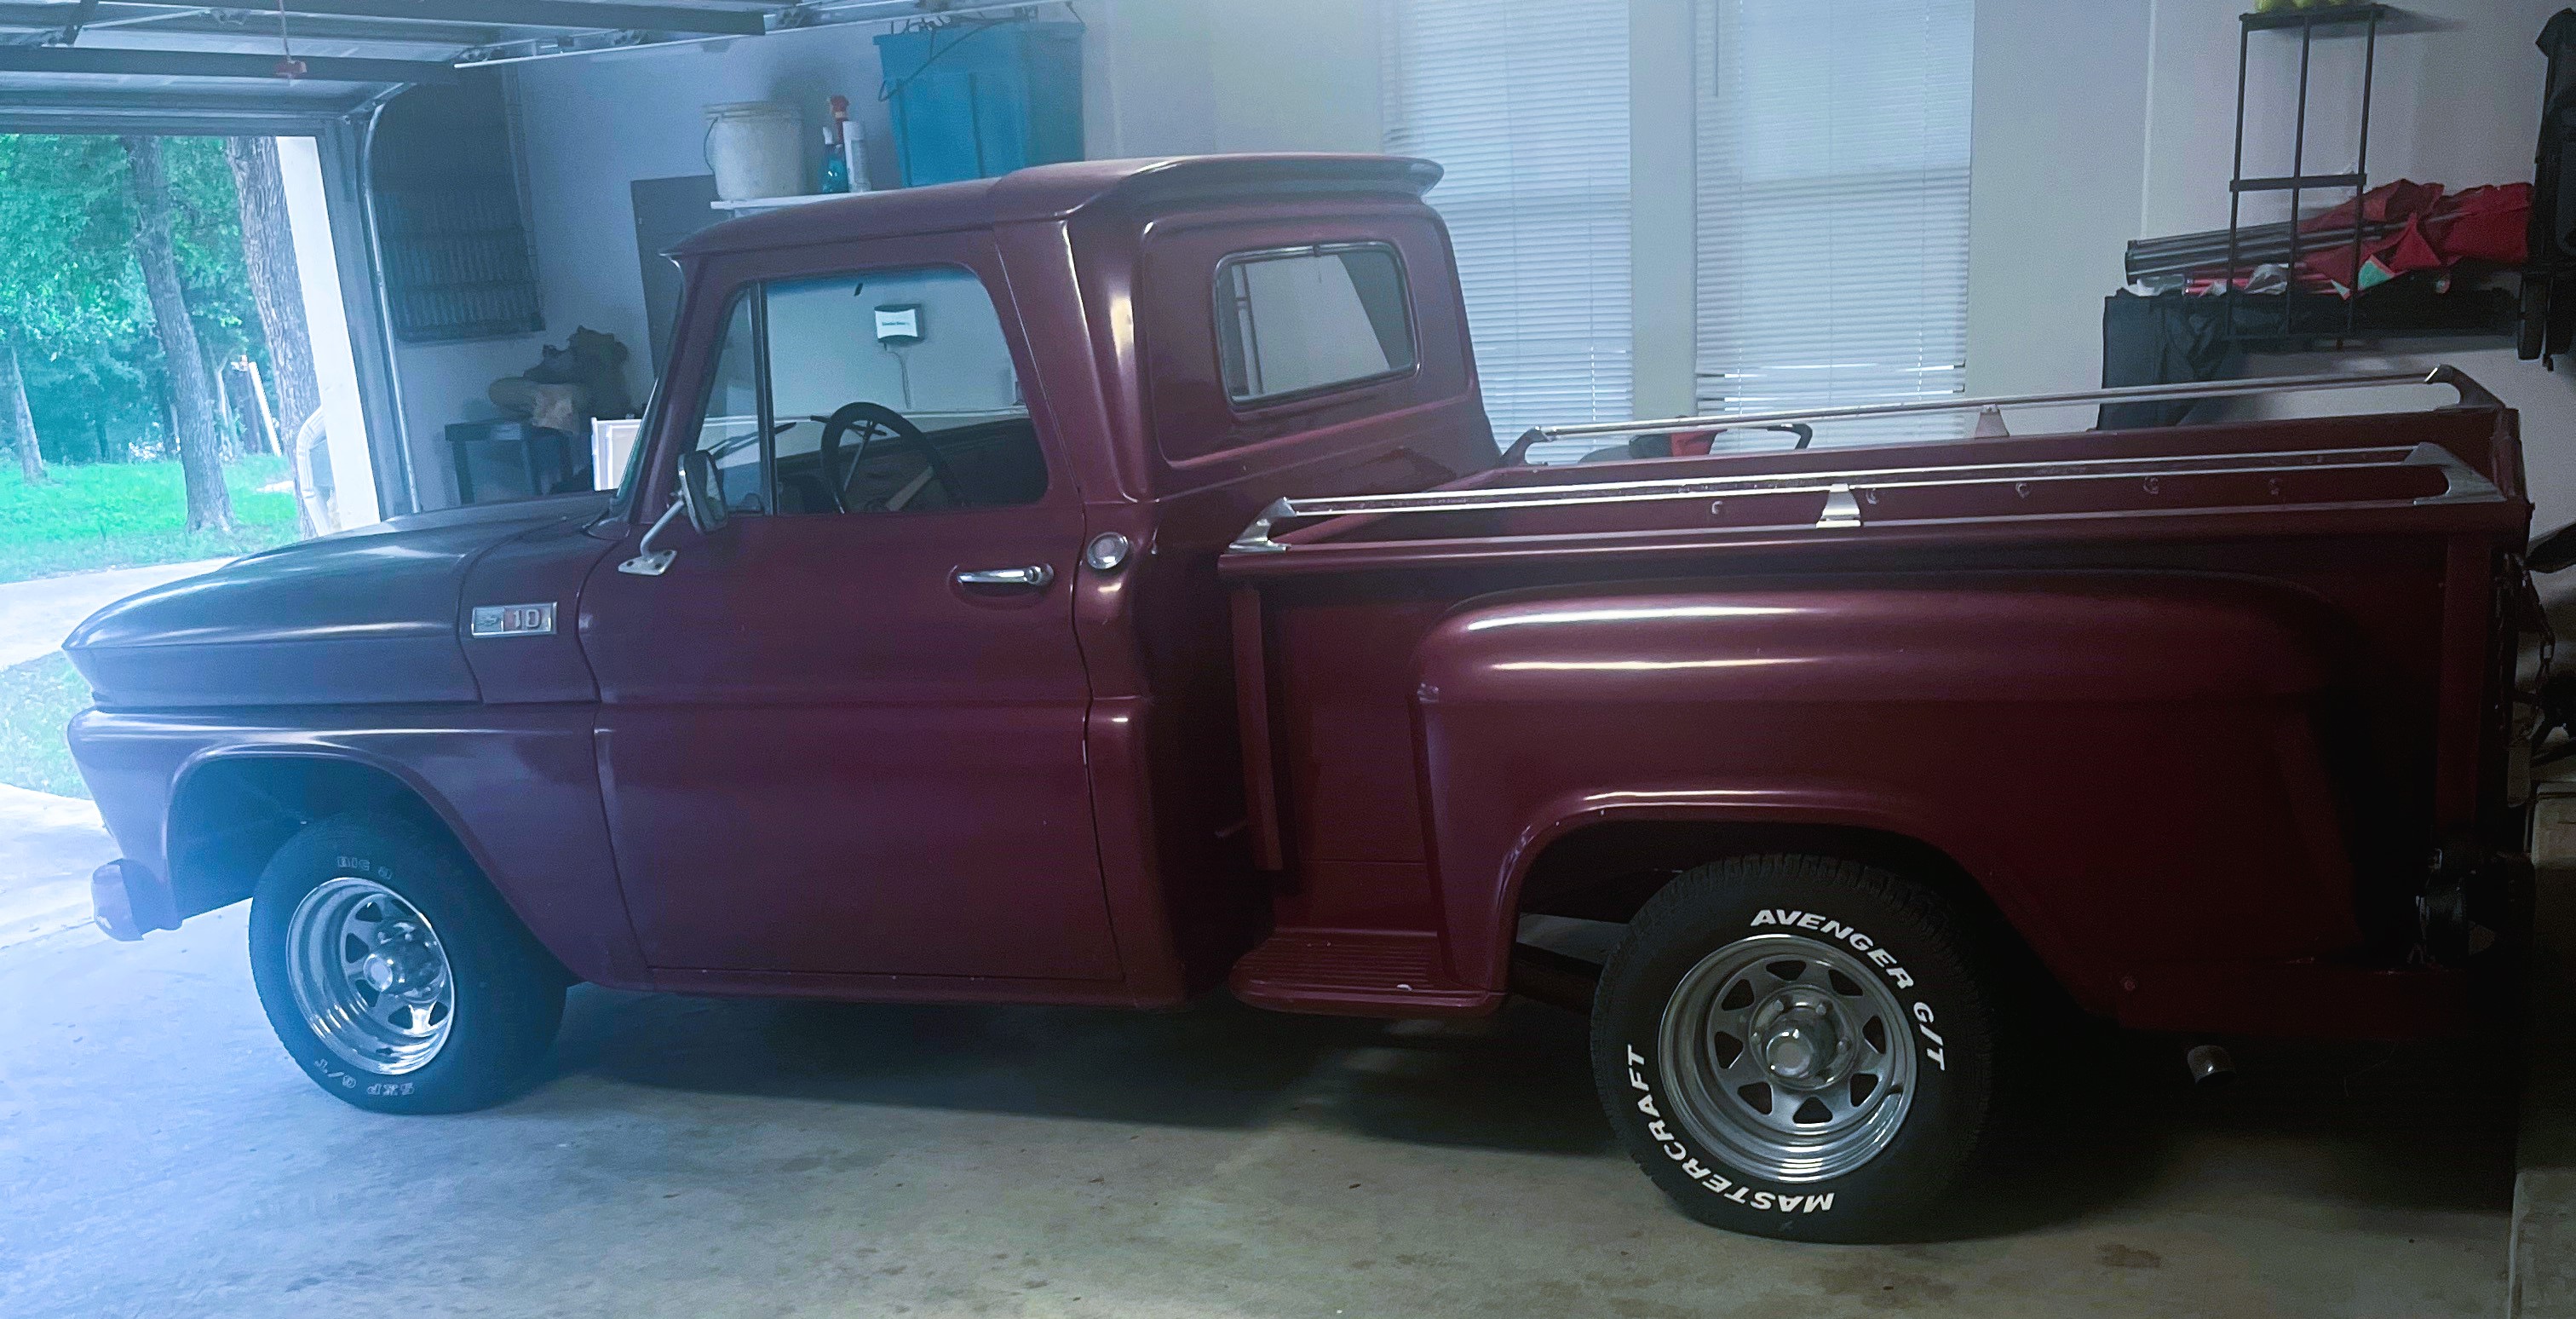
(2314,16)
(745,205)
(2306,20)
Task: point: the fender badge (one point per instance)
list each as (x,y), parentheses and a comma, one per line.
(513,620)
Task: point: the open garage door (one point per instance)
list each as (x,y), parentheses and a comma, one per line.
(308,148)
(317,76)
(337,77)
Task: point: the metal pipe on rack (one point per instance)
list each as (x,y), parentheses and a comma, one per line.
(2196,253)
(2192,254)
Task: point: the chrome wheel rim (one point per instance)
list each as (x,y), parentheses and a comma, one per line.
(1788,1056)
(370,976)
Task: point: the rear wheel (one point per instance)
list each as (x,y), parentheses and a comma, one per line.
(393,974)
(1797,1046)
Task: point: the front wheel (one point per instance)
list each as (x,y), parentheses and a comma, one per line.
(393,974)
(1797,1046)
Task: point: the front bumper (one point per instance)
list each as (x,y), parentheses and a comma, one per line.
(129,902)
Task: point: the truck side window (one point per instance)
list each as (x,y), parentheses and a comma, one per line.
(876,391)
(1296,321)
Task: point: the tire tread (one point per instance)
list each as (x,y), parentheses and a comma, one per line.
(497,960)
(1779,878)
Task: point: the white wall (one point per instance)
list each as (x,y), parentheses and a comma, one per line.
(1172,77)
(445,382)
(2057,156)
(2100,123)
(594,126)
(2457,102)
(1148,85)
(590,127)
(1296,77)
(2094,124)
(1161,77)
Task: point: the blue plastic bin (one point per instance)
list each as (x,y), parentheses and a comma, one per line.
(973,100)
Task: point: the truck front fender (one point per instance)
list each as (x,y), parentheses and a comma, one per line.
(2125,764)
(198,802)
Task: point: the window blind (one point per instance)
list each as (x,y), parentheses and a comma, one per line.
(1525,104)
(1832,161)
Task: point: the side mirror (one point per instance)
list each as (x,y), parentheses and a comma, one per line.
(701,497)
(702,492)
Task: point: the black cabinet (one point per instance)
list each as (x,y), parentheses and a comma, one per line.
(512,459)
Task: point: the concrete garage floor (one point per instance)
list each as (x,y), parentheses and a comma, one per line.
(48,847)
(696,1158)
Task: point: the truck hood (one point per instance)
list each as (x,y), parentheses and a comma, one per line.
(361,616)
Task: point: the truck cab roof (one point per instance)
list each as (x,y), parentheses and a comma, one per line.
(1054,192)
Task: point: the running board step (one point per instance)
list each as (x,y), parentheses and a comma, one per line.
(1355,973)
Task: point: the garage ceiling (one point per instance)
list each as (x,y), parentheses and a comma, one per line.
(144,52)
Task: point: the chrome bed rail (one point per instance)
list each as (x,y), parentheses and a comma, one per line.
(1990,410)
(1842,507)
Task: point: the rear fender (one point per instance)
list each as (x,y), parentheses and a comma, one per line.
(2125,764)
(1862,819)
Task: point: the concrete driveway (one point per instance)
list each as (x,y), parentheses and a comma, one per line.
(35,616)
(49,844)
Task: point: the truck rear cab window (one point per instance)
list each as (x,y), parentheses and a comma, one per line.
(1298,321)
(906,372)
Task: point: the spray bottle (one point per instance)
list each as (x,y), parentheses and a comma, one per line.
(836,160)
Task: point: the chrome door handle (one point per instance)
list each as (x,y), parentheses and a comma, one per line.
(1033,577)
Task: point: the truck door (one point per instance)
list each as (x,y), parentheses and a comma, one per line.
(844,732)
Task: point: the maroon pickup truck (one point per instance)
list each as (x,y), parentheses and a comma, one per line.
(1101,583)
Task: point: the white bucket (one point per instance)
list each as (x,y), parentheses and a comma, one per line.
(757,149)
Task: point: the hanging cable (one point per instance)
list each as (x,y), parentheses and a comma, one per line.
(288,67)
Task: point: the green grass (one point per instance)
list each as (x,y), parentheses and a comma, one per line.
(128,515)
(36,699)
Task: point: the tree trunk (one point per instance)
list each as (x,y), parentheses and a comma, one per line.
(268,253)
(209,504)
(22,423)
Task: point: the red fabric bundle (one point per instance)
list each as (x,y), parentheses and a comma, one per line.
(2436,232)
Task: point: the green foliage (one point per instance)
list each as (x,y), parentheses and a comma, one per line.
(97,404)
(37,699)
(67,276)
(206,233)
(72,297)
(72,300)
(124,515)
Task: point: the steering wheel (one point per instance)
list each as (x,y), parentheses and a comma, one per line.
(879,424)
